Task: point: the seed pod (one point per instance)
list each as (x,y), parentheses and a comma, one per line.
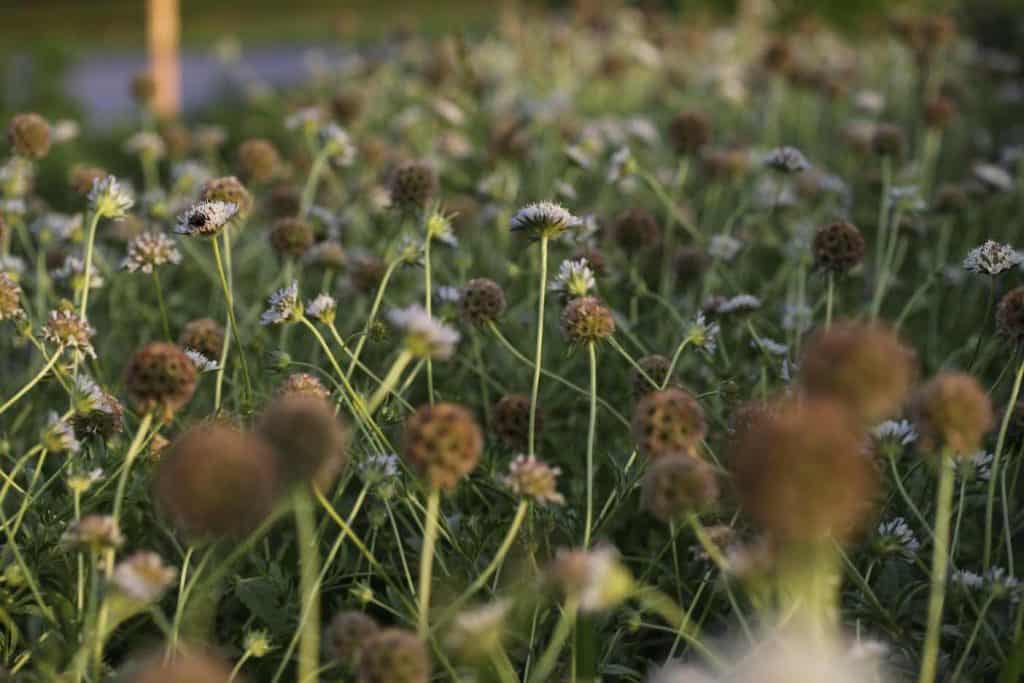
(952,411)
(677,485)
(205,335)
(160,377)
(586,320)
(654,366)
(636,229)
(838,247)
(191,665)
(481,301)
(412,185)
(668,422)
(258,159)
(347,634)
(1010,315)
(304,384)
(291,237)
(308,439)
(228,189)
(29,135)
(689,132)
(443,443)
(394,655)
(511,421)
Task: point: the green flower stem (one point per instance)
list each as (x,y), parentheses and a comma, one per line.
(591,431)
(655,601)
(538,360)
(427,561)
(429,307)
(563,629)
(238,665)
(374,309)
(940,561)
(495,564)
(87,270)
(230,301)
(675,359)
(309,568)
(369,373)
(829,296)
(129,459)
(32,382)
(1000,444)
(390,380)
(973,637)
(309,189)
(706,543)
(160,303)
(614,343)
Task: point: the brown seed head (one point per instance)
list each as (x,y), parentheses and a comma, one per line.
(888,140)
(187,665)
(412,185)
(482,301)
(284,200)
(228,189)
(443,442)
(838,247)
(29,135)
(291,237)
(347,634)
(309,440)
(939,112)
(1010,315)
(952,411)
(304,384)
(691,263)
(689,131)
(511,420)
(205,335)
(587,320)
(668,422)
(678,485)
(636,229)
(160,377)
(394,655)
(258,159)
(347,105)
(654,366)
(82,176)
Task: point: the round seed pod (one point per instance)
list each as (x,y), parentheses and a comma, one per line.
(304,384)
(228,189)
(689,131)
(800,471)
(1010,315)
(668,422)
(177,139)
(412,185)
(29,135)
(347,634)
(291,237)
(160,377)
(205,335)
(511,421)
(690,264)
(888,140)
(308,439)
(482,301)
(216,480)
(443,443)
(394,655)
(347,105)
(864,366)
(952,411)
(636,229)
(656,367)
(586,319)
(284,200)
(838,247)
(677,485)
(950,198)
(102,421)
(82,176)
(259,160)
(188,665)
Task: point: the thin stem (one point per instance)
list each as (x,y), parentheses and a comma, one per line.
(309,189)
(428,306)
(675,359)
(563,628)
(87,270)
(32,382)
(829,296)
(160,303)
(390,380)
(538,355)
(427,560)
(133,451)
(1000,443)
(230,301)
(591,430)
(940,561)
(706,543)
(378,298)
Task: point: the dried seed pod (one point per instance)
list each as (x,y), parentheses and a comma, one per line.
(838,247)
(291,237)
(347,634)
(443,442)
(309,440)
(587,320)
(677,485)
(29,135)
(394,655)
(511,420)
(259,160)
(412,185)
(481,301)
(205,335)
(668,422)
(952,411)
(161,377)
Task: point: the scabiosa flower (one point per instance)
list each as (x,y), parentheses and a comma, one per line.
(346,634)
(543,219)
(587,320)
(10,299)
(978,465)
(378,467)
(29,135)
(678,485)
(72,269)
(93,532)
(621,166)
(337,144)
(443,443)
(837,247)
(394,655)
(668,422)
(97,413)
(654,366)
(160,376)
(787,160)
(952,411)
(895,537)
(109,198)
(412,184)
(898,432)
(574,279)
(216,480)
(635,229)
(425,337)
(259,160)
(511,420)
(800,472)
(534,479)
(303,383)
(481,301)
(864,366)
(59,436)
(992,258)
(1002,584)
(149,251)
(283,306)
(201,361)
(966,579)
(65,328)
(207,218)
(322,308)
(724,247)
(143,577)
(228,190)
(205,335)
(597,578)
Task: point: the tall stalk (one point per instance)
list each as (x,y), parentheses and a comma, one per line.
(538,355)
(940,562)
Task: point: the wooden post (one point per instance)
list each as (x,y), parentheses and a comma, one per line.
(163,29)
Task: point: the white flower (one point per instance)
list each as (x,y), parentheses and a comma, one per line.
(702,334)
(150,250)
(607,582)
(322,308)
(906,198)
(424,336)
(543,218)
(379,466)
(1003,584)
(65,328)
(621,166)
(145,144)
(993,177)
(724,247)
(796,317)
(769,346)
(992,258)
(447,294)
(898,431)
(13,207)
(187,175)
(477,632)
(59,435)
(869,101)
(283,305)
(574,278)
(739,303)
(897,537)
(202,363)
(205,218)
(980,463)
(787,160)
(143,576)
(337,144)
(449,111)
(73,269)
(966,579)
(109,198)
(534,479)
(64,130)
(57,226)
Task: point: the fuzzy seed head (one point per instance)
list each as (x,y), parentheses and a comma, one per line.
(394,655)
(482,301)
(837,247)
(689,132)
(888,140)
(93,532)
(65,328)
(347,634)
(534,479)
(29,135)
(412,185)
(291,237)
(303,384)
(636,229)
(10,299)
(587,320)
(668,422)
(308,438)
(952,411)
(186,665)
(1010,315)
(205,335)
(654,366)
(678,485)
(511,420)
(258,159)
(443,443)
(143,577)
(228,190)
(160,377)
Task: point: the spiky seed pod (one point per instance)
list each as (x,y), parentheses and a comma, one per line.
(82,176)
(347,634)
(187,665)
(291,237)
(216,480)
(443,442)
(838,247)
(865,366)
(668,422)
(259,160)
(952,411)
(940,112)
(161,377)
(205,335)
(654,366)
(800,471)
(888,140)
(308,439)
(412,185)
(636,229)
(394,655)
(230,190)
(678,485)
(690,264)
(29,135)
(481,301)
(347,105)
(586,320)
(304,384)
(1010,315)
(284,200)
(689,131)
(511,420)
